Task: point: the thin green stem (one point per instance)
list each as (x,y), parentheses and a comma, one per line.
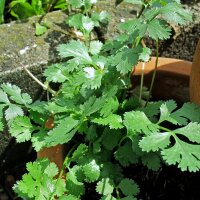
(54,93)
(164,129)
(154,73)
(117,192)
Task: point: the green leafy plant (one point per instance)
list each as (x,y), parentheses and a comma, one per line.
(107,128)
(2,7)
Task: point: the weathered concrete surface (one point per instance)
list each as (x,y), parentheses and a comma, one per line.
(17,36)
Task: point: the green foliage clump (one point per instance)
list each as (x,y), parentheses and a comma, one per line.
(107,128)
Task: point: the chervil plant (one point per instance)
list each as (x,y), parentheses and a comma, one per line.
(107,127)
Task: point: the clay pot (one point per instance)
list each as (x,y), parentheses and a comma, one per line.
(55,154)
(195,77)
(172,78)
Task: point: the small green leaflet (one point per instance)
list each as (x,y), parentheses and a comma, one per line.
(75,49)
(110,138)
(13,111)
(125,155)
(91,171)
(155,141)
(21,128)
(40,174)
(191,131)
(137,122)
(105,186)
(15,94)
(56,73)
(93,78)
(62,133)
(126,59)
(75,21)
(165,114)
(100,17)
(174,13)
(114,121)
(188,111)
(128,187)
(110,106)
(186,155)
(74,186)
(157,29)
(92,105)
(4,98)
(87,24)
(145,55)
(95,47)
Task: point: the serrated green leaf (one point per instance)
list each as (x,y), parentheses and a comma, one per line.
(92,105)
(36,181)
(56,73)
(38,140)
(112,171)
(137,122)
(145,55)
(95,47)
(21,128)
(75,20)
(109,107)
(125,155)
(15,94)
(174,13)
(125,60)
(88,24)
(91,171)
(191,131)
(150,14)
(13,111)
(186,155)
(73,186)
(60,188)
(165,113)
(102,17)
(92,78)
(110,138)
(155,141)
(129,187)
(187,111)
(114,121)
(62,133)
(105,186)
(75,49)
(152,109)
(51,170)
(4,97)
(151,160)
(79,152)
(158,30)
